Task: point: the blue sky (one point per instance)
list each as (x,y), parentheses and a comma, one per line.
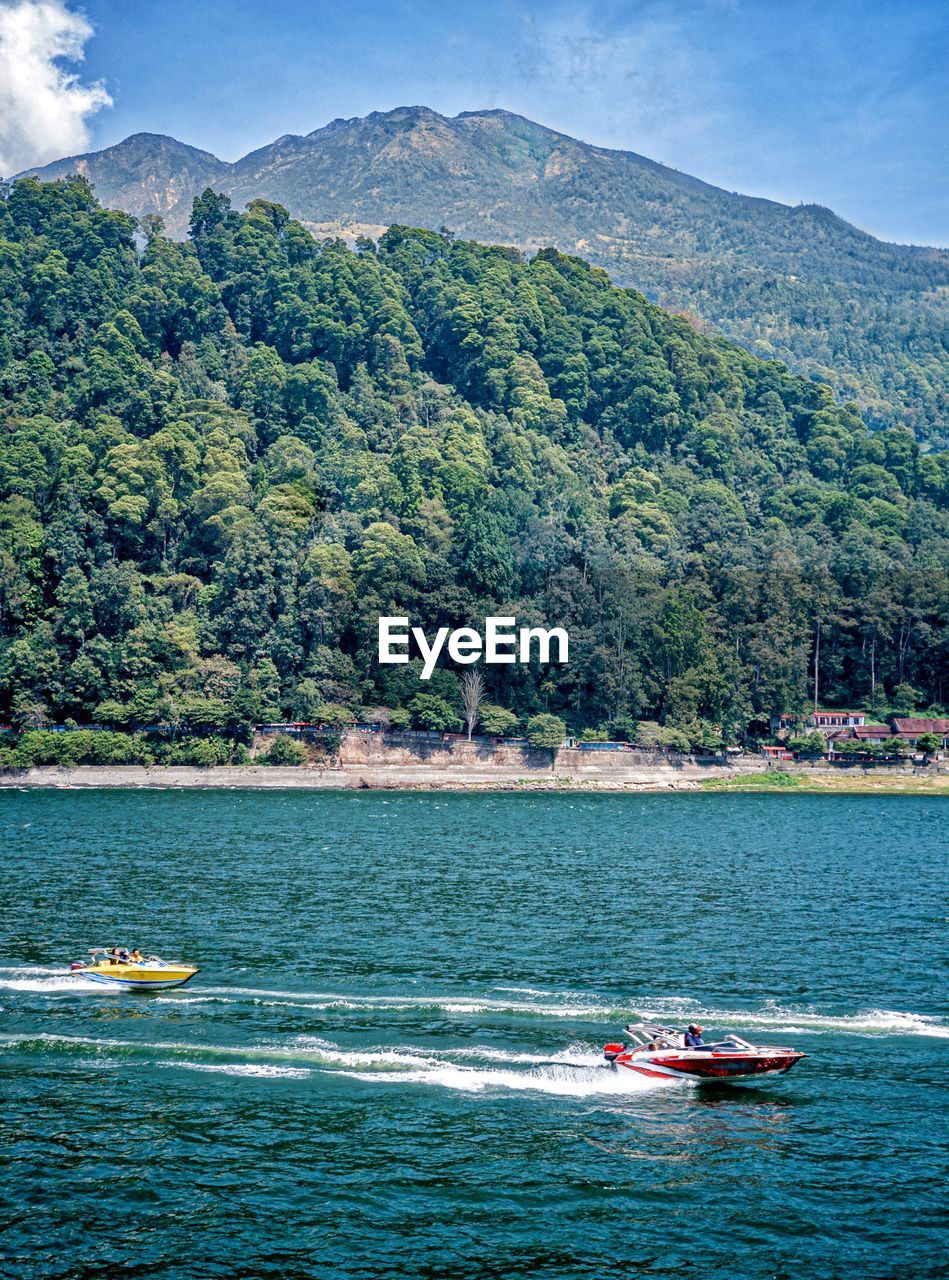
(839,103)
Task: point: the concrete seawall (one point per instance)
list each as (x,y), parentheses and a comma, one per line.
(401,763)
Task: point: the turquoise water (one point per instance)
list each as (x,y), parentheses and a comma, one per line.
(389,1064)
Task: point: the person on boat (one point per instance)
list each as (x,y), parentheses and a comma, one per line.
(115,956)
(693,1037)
(136,956)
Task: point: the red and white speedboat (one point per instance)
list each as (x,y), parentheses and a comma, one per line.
(661,1053)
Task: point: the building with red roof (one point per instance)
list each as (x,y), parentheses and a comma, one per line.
(911,728)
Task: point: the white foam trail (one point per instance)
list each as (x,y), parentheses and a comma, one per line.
(575,1072)
(674,1008)
(575,1055)
(30,970)
(47,986)
(190,1000)
(789,1020)
(550,995)
(322,1001)
(329,1054)
(262,1070)
(562,1081)
(531,991)
(408,1057)
(514,1006)
(805,1022)
(46,980)
(265,992)
(49,1037)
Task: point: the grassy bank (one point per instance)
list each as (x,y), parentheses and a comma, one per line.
(844,782)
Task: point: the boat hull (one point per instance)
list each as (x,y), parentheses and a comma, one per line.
(712,1068)
(138,977)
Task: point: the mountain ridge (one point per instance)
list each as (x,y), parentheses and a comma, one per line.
(178,226)
(793,282)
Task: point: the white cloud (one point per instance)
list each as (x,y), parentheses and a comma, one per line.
(43,107)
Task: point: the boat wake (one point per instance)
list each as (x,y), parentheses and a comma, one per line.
(42,979)
(506,1002)
(261,1070)
(323,1001)
(574,1072)
(789,1019)
(793,1019)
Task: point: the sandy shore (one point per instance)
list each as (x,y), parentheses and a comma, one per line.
(682,776)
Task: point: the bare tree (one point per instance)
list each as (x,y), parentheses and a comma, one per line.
(471,686)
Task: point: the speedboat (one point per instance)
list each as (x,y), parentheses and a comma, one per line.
(661,1053)
(151,974)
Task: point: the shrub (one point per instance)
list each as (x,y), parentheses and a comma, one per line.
(674,739)
(648,735)
(82,746)
(654,737)
(496,721)
(330,742)
(904,700)
(306,700)
(284,750)
(429,711)
(810,744)
(203,752)
(399,718)
(332,713)
(546,731)
(702,735)
(203,714)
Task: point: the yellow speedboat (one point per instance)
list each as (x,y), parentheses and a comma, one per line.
(120,970)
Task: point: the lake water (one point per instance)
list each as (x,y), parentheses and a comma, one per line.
(389,1064)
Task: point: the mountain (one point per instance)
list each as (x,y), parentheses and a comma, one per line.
(147,173)
(797,284)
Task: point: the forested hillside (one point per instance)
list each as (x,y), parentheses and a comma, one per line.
(222,459)
(796,284)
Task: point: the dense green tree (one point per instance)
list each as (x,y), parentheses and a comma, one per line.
(928,744)
(497,721)
(545,730)
(284,750)
(221,461)
(429,711)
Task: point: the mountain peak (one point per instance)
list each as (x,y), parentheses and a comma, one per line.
(496,176)
(137,142)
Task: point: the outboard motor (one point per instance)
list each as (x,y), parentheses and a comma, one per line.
(612,1051)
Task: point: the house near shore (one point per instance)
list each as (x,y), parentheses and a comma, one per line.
(910,729)
(840,726)
(871,732)
(823,720)
(838,719)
